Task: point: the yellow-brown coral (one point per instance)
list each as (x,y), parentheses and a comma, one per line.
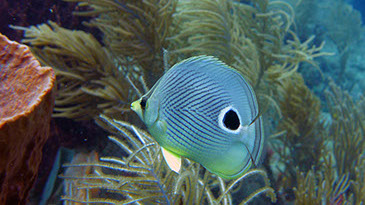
(134,29)
(26,103)
(88,81)
(304,135)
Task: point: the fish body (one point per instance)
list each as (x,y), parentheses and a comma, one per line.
(205,111)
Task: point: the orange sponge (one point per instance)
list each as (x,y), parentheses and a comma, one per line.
(26,104)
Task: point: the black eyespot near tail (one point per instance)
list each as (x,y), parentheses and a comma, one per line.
(231,120)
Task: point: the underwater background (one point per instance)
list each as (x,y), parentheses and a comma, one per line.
(304,59)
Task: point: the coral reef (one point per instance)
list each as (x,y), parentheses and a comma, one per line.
(88,81)
(256,39)
(315,17)
(136,30)
(339,179)
(350,20)
(301,141)
(250,38)
(26,104)
(306,19)
(316,157)
(300,111)
(347,129)
(359,183)
(314,188)
(134,38)
(142,176)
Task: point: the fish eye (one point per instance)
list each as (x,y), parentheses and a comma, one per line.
(231,120)
(143,102)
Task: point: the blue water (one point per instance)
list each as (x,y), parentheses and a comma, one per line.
(360,5)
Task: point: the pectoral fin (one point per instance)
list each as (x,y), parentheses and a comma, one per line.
(172,160)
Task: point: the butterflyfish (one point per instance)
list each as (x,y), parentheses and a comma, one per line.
(204,110)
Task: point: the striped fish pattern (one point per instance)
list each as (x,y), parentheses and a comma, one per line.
(203,110)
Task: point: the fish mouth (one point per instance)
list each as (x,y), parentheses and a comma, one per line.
(134,105)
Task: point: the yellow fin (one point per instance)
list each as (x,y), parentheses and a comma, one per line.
(172,160)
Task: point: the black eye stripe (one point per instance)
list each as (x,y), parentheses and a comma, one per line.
(231,120)
(143,102)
